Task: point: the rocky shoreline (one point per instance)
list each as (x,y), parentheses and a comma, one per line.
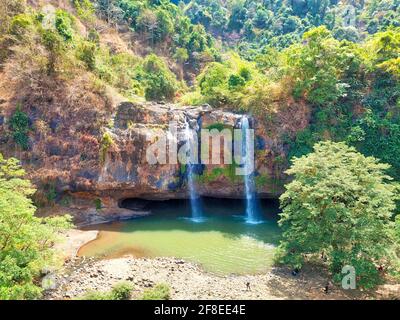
(188,281)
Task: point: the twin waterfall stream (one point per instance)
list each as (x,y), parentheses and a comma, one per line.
(223,236)
(252,216)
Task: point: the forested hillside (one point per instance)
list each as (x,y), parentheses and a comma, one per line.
(75,75)
(337,59)
(252,25)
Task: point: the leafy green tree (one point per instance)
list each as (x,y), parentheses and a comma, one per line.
(339,205)
(238,16)
(160,83)
(212,82)
(165,25)
(317,65)
(26,241)
(236,81)
(262,18)
(181,55)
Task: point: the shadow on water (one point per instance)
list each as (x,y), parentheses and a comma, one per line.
(223,243)
(226,216)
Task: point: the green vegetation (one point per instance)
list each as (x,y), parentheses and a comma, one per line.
(67,51)
(159,292)
(275,23)
(340,206)
(85,10)
(120,291)
(261,181)
(228,171)
(218,126)
(97,204)
(51,193)
(233,83)
(159,83)
(26,241)
(123,291)
(311,71)
(161,23)
(19,125)
(106,143)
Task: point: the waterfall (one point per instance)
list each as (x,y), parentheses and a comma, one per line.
(192,161)
(252,215)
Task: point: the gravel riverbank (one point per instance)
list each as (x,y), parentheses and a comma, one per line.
(187,280)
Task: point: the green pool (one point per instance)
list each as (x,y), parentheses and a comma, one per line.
(222,244)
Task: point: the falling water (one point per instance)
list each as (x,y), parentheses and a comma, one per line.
(250,187)
(192,151)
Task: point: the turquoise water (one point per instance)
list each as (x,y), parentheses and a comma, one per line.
(222,244)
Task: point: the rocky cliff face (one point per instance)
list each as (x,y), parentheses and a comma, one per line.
(126,173)
(91,172)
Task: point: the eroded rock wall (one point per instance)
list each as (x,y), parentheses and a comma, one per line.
(91,175)
(127,173)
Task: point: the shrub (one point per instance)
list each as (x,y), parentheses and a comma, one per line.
(95,295)
(106,143)
(159,292)
(51,193)
(121,291)
(19,25)
(85,9)
(236,81)
(64,22)
(97,204)
(54,44)
(87,53)
(19,125)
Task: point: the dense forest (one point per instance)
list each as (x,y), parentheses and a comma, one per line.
(339,60)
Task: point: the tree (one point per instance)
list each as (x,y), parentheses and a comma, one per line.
(317,66)
(147,23)
(181,56)
(165,25)
(26,241)
(339,205)
(212,82)
(53,42)
(160,82)
(238,16)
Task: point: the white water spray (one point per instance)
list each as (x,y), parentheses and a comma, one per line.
(192,155)
(252,215)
